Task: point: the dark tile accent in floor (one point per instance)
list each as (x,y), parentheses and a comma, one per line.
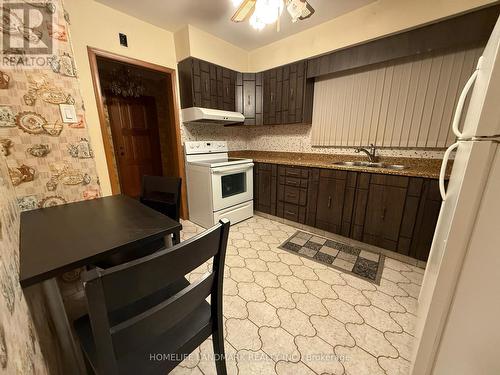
(313,245)
(356,265)
(366,268)
(342,246)
(291,247)
(324,258)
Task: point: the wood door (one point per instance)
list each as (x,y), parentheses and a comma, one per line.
(134,127)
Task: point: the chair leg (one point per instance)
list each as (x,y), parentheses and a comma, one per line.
(219,352)
(176,238)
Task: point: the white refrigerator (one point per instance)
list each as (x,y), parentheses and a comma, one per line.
(458,331)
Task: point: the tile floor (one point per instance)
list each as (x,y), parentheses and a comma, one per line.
(285,314)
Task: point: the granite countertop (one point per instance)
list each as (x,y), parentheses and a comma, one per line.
(416,167)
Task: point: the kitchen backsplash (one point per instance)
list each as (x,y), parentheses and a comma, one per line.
(50,162)
(284,138)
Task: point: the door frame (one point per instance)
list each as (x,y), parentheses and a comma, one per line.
(173,123)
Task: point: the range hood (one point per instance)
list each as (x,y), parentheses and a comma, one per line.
(211,116)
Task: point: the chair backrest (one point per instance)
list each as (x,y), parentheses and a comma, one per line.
(122,286)
(154,186)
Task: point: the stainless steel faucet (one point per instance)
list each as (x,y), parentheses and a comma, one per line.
(371,153)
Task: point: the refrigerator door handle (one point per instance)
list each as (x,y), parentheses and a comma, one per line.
(442,173)
(463,97)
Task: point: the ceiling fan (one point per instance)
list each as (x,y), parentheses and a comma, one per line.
(264,12)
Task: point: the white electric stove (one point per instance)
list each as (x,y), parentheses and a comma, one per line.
(218,186)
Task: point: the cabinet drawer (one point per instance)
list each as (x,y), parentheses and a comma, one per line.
(294,212)
(293,171)
(297,172)
(332,173)
(291,212)
(294,195)
(293,181)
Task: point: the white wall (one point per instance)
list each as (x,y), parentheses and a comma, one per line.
(96,25)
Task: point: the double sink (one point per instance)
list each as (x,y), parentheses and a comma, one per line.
(368,164)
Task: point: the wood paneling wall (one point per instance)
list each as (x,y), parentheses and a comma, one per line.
(404,103)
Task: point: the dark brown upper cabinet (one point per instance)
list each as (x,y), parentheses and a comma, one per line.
(206,85)
(281,95)
(288,95)
(249,97)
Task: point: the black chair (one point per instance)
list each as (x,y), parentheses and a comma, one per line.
(163,194)
(145,317)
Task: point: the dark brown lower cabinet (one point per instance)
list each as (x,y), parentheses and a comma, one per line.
(384,212)
(265,176)
(426,220)
(331,194)
(397,213)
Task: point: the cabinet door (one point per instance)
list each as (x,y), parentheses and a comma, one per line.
(258,99)
(331,195)
(220,88)
(266,188)
(266,97)
(384,213)
(426,221)
(292,95)
(300,91)
(272,97)
(228,87)
(205,89)
(279,95)
(249,99)
(285,97)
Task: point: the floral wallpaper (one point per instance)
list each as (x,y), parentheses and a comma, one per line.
(19,348)
(50,161)
(45,160)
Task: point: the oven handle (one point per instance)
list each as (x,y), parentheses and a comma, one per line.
(243,168)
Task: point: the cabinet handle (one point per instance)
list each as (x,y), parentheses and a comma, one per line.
(227,90)
(329,202)
(272,97)
(291,94)
(290,213)
(248,100)
(291,195)
(206,85)
(384,211)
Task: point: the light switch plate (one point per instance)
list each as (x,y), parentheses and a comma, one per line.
(68,113)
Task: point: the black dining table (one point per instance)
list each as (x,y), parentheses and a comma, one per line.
(59,239)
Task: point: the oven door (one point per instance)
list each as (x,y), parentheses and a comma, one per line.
(232,185)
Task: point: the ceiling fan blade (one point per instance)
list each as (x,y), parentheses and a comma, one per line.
(307,12)
(244,11)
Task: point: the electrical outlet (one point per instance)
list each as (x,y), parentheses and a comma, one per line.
(123,40)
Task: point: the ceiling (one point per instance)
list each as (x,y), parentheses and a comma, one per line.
(213,16)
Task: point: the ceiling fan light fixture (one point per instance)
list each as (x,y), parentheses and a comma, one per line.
(256,23)
(268,11)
